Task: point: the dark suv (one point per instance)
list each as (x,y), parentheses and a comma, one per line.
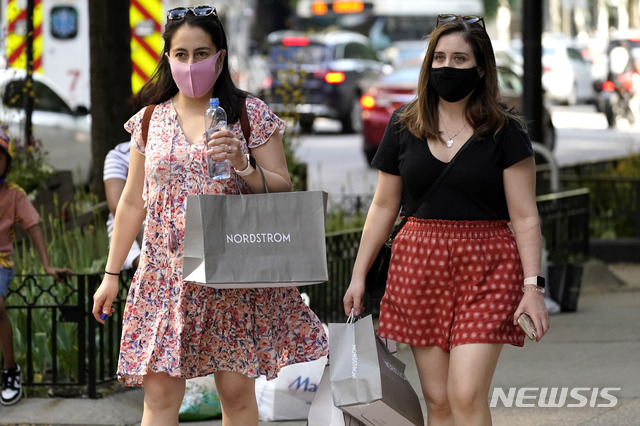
(320,75)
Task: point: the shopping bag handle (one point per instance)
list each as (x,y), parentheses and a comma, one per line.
(351,319)
(264,181)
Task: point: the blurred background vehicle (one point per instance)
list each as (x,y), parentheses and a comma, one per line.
(404,50)
(615,93)
(566,75)
(65,133)
(396,89)
(320,75)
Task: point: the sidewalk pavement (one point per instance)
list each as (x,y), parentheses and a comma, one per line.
(596,347)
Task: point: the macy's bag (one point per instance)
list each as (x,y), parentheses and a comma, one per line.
(255,240)
(367,381)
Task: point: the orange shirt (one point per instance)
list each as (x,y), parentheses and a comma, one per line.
(15,207)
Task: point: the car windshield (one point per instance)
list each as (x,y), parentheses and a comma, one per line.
(309,54)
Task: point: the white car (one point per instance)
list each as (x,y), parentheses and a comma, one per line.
(566,76)
(65,133)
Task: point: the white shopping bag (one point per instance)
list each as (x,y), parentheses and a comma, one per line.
(289,396)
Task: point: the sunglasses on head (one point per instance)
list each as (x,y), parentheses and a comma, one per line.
(180,12)
(468,19)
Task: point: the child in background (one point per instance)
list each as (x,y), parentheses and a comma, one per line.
(15,207)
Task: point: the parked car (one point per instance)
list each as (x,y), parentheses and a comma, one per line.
(327,70)
(566,75)
(396,89)
(65,133)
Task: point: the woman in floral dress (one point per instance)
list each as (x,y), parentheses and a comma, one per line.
(174,330)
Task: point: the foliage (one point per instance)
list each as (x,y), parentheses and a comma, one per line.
(29,168)
(613,193)
(76,238)
(291,93)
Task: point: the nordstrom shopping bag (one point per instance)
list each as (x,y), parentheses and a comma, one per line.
(255,240)
(322,411)
(367,381)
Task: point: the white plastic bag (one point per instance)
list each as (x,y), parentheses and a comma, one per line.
(289,396)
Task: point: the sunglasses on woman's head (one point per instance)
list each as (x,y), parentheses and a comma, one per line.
(180,12)
(469,19)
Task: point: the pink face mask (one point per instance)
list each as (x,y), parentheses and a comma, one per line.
(197,79)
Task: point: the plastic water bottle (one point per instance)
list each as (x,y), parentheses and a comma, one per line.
(215,118)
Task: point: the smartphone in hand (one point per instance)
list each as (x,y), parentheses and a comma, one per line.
(526,324)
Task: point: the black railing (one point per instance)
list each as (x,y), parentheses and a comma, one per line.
(58,343)
(60,313)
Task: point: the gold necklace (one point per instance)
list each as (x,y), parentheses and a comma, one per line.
(449,142)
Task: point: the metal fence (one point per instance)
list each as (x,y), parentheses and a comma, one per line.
(66,350)
(59,345)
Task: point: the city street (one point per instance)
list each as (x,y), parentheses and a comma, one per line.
(337,165)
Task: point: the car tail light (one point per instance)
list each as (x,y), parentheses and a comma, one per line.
(608,86)
(367,102)
(333,77)
(295,41)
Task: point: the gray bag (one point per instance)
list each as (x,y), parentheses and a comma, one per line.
(367,381)
(255,240)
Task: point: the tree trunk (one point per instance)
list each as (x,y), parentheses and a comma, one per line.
(110,48)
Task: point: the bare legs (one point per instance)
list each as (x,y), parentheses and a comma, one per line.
(456,385)
(163,395)
(238,399)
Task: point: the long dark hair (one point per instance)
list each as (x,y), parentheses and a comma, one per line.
(484,110)
(161,86)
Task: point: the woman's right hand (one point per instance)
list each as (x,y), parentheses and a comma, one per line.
(352,300)
(104,296)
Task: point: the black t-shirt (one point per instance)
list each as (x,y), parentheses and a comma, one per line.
(472,189)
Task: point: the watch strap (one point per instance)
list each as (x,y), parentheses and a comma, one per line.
(537,281)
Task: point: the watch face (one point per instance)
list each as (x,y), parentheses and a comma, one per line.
(540,282)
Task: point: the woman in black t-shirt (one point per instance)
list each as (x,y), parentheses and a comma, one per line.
(467,263)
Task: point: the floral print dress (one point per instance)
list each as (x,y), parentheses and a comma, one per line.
(188,330)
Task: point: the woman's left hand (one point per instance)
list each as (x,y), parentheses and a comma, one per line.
(225,146)
(533,304)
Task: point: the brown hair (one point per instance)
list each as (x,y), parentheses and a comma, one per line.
(483,111)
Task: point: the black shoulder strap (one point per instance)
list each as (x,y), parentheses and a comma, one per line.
(146,118)
(432,187)
(244,122)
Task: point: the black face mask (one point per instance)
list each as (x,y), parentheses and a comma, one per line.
(454,84)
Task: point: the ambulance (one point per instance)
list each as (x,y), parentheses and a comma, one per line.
(61,41)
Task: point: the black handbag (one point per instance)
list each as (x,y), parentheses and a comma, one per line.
(376,279)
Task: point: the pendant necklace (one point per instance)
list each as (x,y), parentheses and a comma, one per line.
(450,140)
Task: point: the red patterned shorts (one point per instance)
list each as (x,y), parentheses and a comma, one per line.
(451,283)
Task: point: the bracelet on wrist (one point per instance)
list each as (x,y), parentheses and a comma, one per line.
(533,287)
(111,273)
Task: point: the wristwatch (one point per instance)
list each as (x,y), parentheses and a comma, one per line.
(251,166)
(537,281)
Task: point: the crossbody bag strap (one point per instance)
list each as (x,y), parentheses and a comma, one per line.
(146,118)
(244,122)
(432,187)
